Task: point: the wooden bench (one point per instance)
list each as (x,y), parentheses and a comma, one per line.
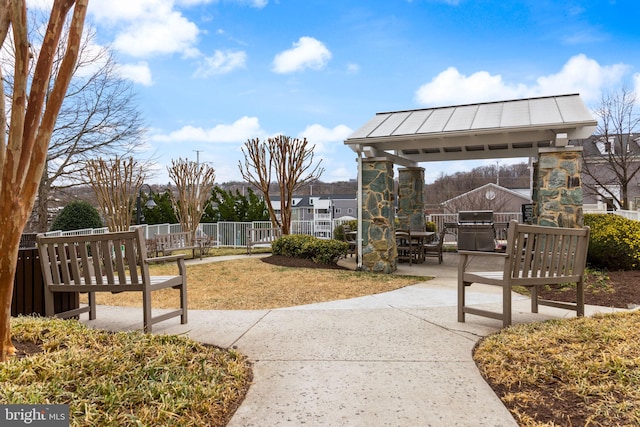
(110,262)
(167,243)
(535,256)
(261,237)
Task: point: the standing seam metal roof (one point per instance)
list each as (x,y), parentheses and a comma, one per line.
(516,128)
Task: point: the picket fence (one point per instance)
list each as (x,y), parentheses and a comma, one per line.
(234,234)
(221,234)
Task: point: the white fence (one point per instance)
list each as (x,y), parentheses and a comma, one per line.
(498,217)
(234,234)
(222,234)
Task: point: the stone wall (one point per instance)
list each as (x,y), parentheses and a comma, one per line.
(379,252)
(557,189)
(411,199)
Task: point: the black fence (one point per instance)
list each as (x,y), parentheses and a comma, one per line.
(28,286)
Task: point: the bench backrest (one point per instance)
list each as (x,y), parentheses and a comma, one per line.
(545,254)
(178,240)
(109,258)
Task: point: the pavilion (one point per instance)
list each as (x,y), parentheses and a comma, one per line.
(539,128)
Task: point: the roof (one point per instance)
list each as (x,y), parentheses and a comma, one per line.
(523,193)
(516,128)
(594,147)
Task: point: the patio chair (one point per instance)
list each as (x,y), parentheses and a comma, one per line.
(349,236)
(434,248)
(408,250)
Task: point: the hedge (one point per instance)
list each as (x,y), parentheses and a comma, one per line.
(321,251)
(614,242)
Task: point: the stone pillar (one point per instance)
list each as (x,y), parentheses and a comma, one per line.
(411,199)
(379,252)
(557,187)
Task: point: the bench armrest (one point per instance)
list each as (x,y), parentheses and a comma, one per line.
(481,253)
(162,259)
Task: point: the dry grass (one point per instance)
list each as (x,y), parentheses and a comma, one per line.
(583,371)
(250,284)
(125,378)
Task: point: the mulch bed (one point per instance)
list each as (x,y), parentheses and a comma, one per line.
(287,261)
(622,290)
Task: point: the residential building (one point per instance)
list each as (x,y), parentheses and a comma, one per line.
(320,211)
(489,197)
(603,159)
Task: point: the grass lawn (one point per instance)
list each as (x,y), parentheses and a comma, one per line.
(573,372)
(131,378)
(250,284)
(583,371)
(126,378)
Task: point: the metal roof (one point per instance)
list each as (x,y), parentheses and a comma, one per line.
(516,128)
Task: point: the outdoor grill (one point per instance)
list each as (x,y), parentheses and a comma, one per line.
(476,231)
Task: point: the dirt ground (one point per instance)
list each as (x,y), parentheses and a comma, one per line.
(620,290)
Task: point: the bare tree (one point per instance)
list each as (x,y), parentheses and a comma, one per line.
(194,182)
(24,138)
(292,162)
(116,185)
(610,169)
(98,117)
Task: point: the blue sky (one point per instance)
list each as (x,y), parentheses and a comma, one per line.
(212,74)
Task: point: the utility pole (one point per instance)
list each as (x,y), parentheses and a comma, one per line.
(198,156)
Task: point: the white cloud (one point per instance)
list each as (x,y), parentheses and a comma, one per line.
(353,68)
(258,4)
(161,35)
(579,75)
(145,27)
(138,73)
(127,10)
(452,87)
(636,85)
(307,52)
(221,63)
(321,136)
(582,75)
(239,131)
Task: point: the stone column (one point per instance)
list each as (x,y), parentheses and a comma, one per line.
(379,252)
(411,199)
(557,187)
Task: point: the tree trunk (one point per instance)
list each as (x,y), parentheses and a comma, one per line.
(23,149)
(10,231)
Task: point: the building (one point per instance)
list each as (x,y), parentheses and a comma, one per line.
(603,159)
(319,212)
(490,197)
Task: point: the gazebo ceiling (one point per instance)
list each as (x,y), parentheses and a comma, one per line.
(517,128)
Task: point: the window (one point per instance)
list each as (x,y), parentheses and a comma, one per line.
(338,211)
(606,146)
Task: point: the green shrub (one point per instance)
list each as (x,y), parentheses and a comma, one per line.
(77,215)
(338,232)
(303,246)
(328,251)
(614,242)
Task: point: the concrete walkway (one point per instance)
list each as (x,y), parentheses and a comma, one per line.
(397,359)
